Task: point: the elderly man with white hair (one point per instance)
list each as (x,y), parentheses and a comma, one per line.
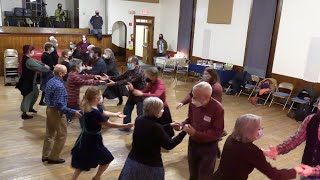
(205,124)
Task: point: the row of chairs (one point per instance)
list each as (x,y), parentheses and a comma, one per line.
(175,68)
(283,91)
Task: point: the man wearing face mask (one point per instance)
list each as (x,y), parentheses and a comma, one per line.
(60,17)
(27,83)
(96,22)
(98,66)
(47,59)
(205,124)
(75,81)
(156,88)
(56,125)
(135,76)
(162,46)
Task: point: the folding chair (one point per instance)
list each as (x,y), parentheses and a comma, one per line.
(250,87)
(169,66)
(282,95)
(273,87)
(316,104)
(182,68)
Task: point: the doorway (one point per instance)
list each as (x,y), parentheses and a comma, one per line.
(119,39)
(143,41)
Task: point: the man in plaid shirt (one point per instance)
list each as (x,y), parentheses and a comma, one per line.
(135,76)
(56,98)
(309,131)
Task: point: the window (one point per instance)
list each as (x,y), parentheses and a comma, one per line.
(36,6)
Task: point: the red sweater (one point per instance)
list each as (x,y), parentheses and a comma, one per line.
(156,89)
(217,91)
(74,83)
(208,121)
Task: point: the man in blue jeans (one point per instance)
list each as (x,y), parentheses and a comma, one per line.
(135,76)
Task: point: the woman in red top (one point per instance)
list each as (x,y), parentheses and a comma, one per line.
(210,76)
(156,88)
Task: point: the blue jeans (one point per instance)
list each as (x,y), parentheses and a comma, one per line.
(70,116)
(128,108)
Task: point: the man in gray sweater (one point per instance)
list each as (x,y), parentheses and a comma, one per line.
(96,22)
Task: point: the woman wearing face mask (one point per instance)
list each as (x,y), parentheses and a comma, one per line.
(75,81)
(27,83)
(240,156)
(117,90)
(83,45)
(144,160)
(210,76)
(89,151)
(47,59)
(64,60)
(156,88)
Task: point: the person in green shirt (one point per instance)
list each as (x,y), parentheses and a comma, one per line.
(60,17)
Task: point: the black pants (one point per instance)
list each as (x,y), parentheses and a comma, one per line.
(201,159)
(165,120)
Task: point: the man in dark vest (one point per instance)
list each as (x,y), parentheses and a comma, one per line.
(309,131)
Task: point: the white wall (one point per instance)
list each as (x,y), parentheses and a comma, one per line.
(9,5)
(119,34)
(298,30)
(170,13)
(222,42)
(87,9)
(118,11)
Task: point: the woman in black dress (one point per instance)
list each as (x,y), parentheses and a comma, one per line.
(89,151)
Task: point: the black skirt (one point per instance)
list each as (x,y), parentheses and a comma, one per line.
(89,152)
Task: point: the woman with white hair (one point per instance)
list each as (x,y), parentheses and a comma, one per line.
(240,156)
(116,91)
(144,160)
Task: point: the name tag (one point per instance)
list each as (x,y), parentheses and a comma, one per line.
(207,118)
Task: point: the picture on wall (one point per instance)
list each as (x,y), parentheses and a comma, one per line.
(220,11)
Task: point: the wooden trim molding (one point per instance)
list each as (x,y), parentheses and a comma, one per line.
(38,30)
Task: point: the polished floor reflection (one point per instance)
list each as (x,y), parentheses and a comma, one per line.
(21,141)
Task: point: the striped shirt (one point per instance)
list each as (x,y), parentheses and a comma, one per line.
(56,95)
(74,83)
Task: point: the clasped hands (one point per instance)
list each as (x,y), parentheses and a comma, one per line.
(302,170)
(134,91)
(186,128)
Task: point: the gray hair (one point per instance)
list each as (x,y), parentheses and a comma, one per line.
(152,106)
(75,63)
(203,85)
(245,128)
(152,71)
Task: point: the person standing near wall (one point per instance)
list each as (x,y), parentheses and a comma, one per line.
(162,46)
(96,22)
(60,17)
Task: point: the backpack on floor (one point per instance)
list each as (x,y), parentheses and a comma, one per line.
(302,111)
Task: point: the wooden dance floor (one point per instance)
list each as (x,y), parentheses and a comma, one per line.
(21,141)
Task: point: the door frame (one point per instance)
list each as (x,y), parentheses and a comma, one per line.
(151,39)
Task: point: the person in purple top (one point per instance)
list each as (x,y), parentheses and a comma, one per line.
(82,45)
